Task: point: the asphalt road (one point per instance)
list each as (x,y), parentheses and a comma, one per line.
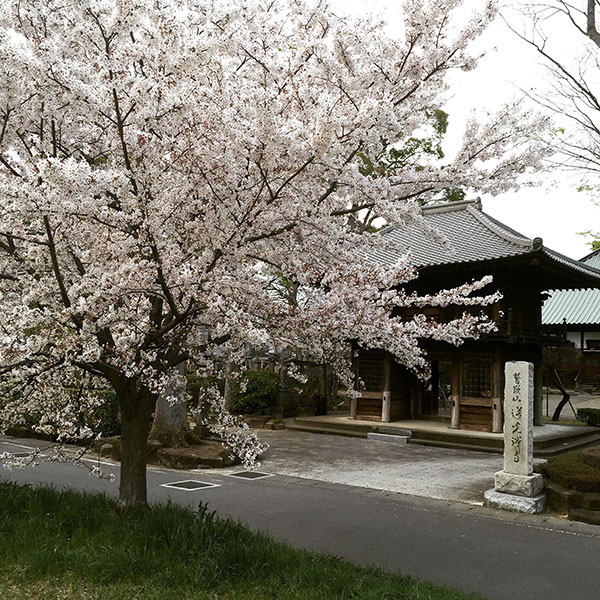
(502,556)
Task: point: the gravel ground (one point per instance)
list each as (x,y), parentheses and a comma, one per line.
(442,473)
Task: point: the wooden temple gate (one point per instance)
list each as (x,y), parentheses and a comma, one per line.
(474,391)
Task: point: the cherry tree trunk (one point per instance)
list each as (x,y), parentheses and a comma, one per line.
(136,412)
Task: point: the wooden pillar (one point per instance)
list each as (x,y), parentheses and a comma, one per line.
(497,395)
(353,407)
(538,411)
(416,399)
(386,404)
(354,399)
(435,387)
(455,416)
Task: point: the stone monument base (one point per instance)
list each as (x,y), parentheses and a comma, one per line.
(519,485)
(530,505)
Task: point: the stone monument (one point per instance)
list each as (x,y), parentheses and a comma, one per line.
(517,487)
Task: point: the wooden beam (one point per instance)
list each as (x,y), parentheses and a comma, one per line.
(485,402)
(435,386)
(497,395)
(538,412)
(353,399)
(455,416)
(386,405)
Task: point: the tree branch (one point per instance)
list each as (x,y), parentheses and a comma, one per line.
(591,31)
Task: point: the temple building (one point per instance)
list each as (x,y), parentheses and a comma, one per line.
(466,387)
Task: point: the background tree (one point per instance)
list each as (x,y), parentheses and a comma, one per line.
(169,423)
(161,163)
(565,35)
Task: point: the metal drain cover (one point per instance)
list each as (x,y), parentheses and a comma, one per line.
(189,485)
(20,454)
(249,475)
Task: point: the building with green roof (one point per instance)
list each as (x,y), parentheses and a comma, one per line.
(574,316)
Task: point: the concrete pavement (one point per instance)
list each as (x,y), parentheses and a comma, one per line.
(440,473)
(579,399)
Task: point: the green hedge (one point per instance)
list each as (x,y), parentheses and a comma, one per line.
(104,419)
(569,470)
(259,393)
(590,416)
(108,414)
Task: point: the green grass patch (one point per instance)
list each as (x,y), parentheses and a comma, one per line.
(67,545)
(569,470)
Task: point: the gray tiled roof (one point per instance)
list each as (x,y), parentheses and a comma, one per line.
(472,236)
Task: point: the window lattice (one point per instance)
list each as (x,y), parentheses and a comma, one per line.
(370,370)
(476,379)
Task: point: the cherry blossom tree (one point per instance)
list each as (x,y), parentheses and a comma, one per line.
(165,165)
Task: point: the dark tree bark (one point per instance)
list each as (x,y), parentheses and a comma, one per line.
(137,406)
(592,32)
(566,396)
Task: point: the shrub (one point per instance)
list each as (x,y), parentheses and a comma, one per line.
(590,416)
(108,414)
(256,393)
(103,419)
(197,384)
(569,470)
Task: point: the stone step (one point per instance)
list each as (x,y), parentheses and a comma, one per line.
(394,431)
(541,448)
(455,445)
(446,438)
(583,437)
(585,516)
(590,501)
(388,437)
(328,430)
(342,424)
(562,447)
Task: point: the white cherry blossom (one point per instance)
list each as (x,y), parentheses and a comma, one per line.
(166,165)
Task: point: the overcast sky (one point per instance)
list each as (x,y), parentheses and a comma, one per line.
(555,211)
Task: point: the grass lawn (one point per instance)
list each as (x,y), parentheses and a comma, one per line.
(59,545)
